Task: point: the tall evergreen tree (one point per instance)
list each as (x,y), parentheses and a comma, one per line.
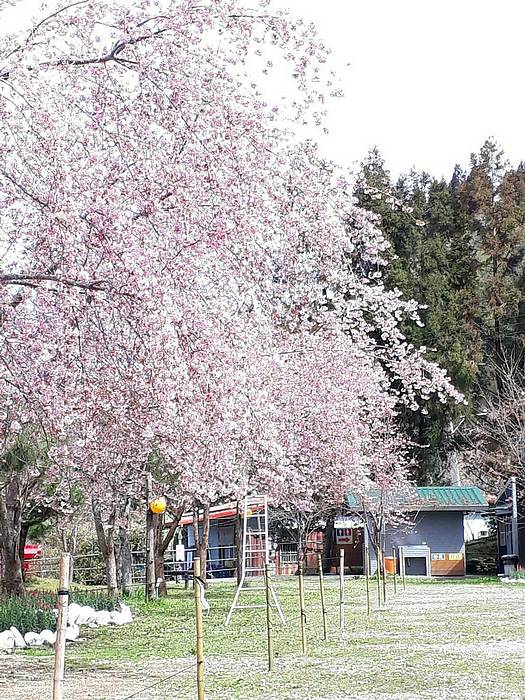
(492,197)
(432,261)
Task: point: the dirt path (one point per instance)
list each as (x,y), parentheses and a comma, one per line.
(23,678)
(436,641)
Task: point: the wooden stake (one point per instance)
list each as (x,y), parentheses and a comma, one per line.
(378,578)
(342,589)
(60,642)
(402,567)
(150,590)
(395,568)
(383,574)
(321,588)
(198,628)
(367,581)
(301,606)
(268,616)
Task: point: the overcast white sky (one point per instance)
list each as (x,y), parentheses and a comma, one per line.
(428,80)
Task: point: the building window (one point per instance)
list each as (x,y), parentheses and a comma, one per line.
(502,535)
(288,552)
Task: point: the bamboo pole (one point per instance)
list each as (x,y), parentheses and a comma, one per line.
(150,590)
(378,579)
(60,641)
(395,568)
(367,578)
(301,606)
(383,574)
(199,647)
(402,567)
(342,589)
(268,616)
(321,588)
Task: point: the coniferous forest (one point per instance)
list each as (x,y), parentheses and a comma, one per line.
(458,248)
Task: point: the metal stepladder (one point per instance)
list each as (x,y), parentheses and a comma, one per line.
(255,554)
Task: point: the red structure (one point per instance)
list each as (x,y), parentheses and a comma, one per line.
(31,552)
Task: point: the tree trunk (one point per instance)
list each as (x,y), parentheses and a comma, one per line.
(10,532)
(328,544)
(160,574)
(111,564)
(106,542)
(162,542)
(238,543)
(118,560)
(24,531)
(151,589)
(13,581)
(126,562)
(202,536)
(301,546)
(68,540)
(205,538)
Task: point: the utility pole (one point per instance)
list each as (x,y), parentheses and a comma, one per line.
(150,543)
(60,641)
(515,544)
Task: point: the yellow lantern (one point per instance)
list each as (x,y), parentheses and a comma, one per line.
(158,506)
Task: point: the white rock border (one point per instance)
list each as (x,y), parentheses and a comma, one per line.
(78,615)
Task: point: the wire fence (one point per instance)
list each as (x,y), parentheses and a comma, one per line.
(316,607)
(88,568)
(310,614)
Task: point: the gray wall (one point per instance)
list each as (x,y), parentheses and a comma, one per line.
(442,531)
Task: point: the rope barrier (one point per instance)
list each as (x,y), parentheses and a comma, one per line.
(154,685)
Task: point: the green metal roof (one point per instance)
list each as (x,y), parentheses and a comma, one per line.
(433,498)
(453,495)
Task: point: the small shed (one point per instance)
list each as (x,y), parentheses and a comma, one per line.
(432,540)
(509,514)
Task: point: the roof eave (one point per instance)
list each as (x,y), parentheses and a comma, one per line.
(478,508)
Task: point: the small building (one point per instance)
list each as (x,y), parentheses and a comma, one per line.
(509,513)
(432,540)
(222,545)
(430,543)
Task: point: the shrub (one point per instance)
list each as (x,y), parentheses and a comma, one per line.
(95,599)
(34,611)
(29,613)
(89,568)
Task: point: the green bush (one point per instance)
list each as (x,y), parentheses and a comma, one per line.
(29,613)
(96,600)
(89,568)
(34,612)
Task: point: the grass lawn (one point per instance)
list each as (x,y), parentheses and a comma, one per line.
(438,639)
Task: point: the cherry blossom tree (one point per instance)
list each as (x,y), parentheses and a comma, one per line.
(178,275)
(492,440)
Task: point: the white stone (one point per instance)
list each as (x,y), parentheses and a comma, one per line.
(32,639)
(86,615)
(7,641)
(48,636)
(72,633)
(126,615)
(102,618)
(19,640)
(116,618)
(73,612)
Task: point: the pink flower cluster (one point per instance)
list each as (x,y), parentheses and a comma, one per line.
(182,287)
